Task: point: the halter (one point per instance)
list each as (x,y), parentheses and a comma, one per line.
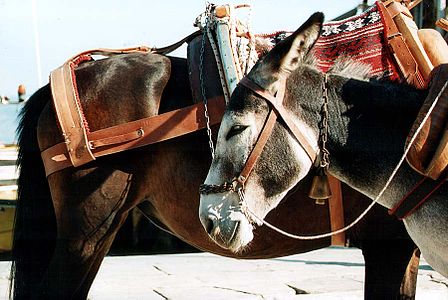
(237,184)
(276,109)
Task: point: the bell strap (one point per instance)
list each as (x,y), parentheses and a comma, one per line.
(336,211)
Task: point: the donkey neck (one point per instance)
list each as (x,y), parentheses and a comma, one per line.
(368,126)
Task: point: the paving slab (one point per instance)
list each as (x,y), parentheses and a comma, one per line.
(330,273)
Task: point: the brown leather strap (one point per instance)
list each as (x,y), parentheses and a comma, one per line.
(336,209)
(403,56)
(117,139)
(140,49)
(277,105)
(258,148)
(394,9)
(111,52)
(69,114)
(442,23)
(410,4)
(67,104)
(171,48)
(139,133)
(55,158)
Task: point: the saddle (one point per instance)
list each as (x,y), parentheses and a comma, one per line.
(82,145)
(428,152)
(422,56)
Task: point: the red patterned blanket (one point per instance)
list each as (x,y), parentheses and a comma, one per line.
(360,38)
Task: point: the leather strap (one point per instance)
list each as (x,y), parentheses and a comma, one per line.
(410,4)
(111,52)
(171,48)
(277,105)
(414,199)
(400,50)
(403,55)
(139,133)
(258,148)
(336,209)
(69,114)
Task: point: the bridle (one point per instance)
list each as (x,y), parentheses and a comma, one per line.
(276,110)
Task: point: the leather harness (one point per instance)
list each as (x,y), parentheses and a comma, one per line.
(81,146)
(135,134)
(277,110)
(405,45)
(335,205)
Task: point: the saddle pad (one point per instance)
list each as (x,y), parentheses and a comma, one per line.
(360,38)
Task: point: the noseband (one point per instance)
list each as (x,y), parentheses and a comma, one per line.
(276,109)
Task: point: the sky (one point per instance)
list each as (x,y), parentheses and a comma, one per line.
(37,36)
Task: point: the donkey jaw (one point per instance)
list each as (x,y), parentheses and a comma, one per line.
(233,235)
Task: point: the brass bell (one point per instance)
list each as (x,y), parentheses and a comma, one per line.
(320,187)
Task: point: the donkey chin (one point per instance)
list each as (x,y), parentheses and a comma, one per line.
(234,232)
(225,223)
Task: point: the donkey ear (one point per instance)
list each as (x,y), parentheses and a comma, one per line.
(297,45)
(286,55)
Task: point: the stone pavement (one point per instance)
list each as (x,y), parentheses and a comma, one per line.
(330,273)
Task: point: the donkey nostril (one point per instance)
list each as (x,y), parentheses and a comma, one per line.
(210,225)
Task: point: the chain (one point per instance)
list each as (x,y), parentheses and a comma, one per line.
(323,127)
(201,79)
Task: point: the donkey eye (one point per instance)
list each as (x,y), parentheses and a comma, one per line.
(236,129)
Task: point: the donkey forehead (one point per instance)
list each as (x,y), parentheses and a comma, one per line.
(232,118)
(244,101)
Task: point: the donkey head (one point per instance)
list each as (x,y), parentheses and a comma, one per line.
(281,162)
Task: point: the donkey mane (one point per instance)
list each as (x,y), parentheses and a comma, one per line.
(344,67)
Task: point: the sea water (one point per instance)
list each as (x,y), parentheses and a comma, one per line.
(8,122)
